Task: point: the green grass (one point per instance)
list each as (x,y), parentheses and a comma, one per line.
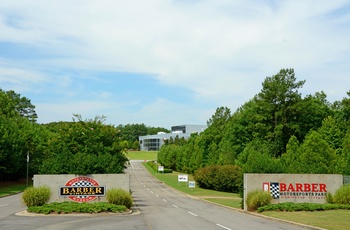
(333,220)
(142,155)
(10,188)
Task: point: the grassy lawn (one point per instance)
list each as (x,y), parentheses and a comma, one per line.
(333,220)
(142,155)
(9,188)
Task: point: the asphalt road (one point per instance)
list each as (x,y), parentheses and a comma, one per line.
(158,207)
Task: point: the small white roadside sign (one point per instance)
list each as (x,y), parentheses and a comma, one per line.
(160,168)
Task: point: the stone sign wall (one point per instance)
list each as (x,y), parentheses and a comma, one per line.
(297,188)
(81,188)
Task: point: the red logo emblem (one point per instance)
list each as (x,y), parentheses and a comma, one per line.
(82,189)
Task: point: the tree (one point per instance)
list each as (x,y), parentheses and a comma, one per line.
(316,155)
(240,130)
(84,147)
(256,158)
(278,104)
(290,161)
(312,111)
(12,103)
(211,137)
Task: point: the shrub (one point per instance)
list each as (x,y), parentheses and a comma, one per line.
(227,178)
(329,198)
(36,196)
(119,197)
(74,207)
(342,195)
(257,199)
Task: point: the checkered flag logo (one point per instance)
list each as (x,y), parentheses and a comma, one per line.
(82,183)
(275,190)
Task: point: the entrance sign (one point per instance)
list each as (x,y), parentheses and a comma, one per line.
(82,189)
(296,188)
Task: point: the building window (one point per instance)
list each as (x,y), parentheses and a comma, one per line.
(151,144)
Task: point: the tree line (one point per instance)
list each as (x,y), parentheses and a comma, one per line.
(82,146)
(276,131)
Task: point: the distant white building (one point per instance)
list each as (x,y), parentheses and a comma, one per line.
(154,142)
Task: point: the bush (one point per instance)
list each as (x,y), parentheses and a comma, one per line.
(329,198)
(119,197)
(342,195)
(227,178)
(257,199)
(36,196)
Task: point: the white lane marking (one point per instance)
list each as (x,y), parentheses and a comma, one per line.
(157,195)
(147,188)
(151,191)
(223,227)
(192,214)
(165,200)
(3,205)
(175,206)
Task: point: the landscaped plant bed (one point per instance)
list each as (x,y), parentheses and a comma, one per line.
(73,208)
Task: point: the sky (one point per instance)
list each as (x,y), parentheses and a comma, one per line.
(169,62)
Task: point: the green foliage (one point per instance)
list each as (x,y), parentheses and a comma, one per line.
(255,158)
(119,197)
(84,147)
(73,207)
(227,178)
(13,105)
(257,199)
(342,195)
(292,207)
(316,155)
(36,196)
(329,198)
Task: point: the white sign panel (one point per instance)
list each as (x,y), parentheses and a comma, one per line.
(191,184)
(182,177)
(160,168)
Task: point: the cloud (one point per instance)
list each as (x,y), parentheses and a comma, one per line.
(218,51)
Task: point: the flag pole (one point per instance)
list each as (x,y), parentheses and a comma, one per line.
(27,166)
